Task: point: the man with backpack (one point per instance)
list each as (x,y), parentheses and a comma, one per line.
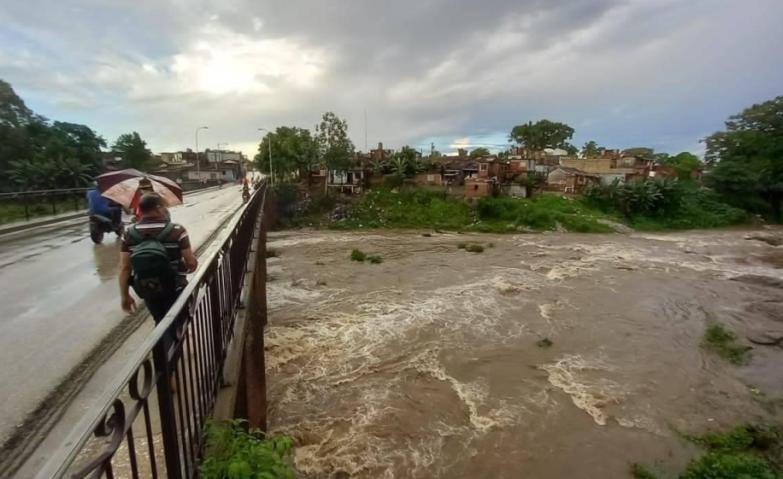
(155,257)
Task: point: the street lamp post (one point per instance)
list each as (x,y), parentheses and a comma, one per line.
(271,176)
(198,163)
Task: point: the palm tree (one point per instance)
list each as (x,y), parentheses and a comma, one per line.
(399,164)
(73,172)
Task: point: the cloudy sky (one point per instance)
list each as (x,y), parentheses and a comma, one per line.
(660,73)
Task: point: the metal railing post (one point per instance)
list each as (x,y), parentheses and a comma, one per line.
(168,425)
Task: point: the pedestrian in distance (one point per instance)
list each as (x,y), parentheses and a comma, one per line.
(155,257)
(145,186)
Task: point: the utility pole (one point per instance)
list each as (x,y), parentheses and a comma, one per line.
(365,130)
(198,163)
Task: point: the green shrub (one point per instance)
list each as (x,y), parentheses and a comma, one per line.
(664,204)
(234,453)
(734,465)
(749,451)
(745,452)
(723,342)
(358,255)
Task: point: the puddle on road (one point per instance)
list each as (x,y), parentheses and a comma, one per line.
(427,364)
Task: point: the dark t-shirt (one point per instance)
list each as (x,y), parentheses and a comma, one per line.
(176,241)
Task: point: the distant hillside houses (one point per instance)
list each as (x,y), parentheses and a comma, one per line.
(517,172)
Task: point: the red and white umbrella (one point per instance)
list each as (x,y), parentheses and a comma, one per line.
(121,187)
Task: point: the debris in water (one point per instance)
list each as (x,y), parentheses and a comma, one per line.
(544,343)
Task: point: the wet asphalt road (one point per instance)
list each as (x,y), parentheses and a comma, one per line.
(59,298)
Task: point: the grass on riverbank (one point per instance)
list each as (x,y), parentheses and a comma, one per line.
(750,451)
(545,212)
(724,343)
(384,208)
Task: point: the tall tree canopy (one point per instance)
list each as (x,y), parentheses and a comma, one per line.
(642,151)
(35,153)
(294,150)
(591,149)
(542,134)
(684,163)
(13,111)
(133,151)
(334,147)
(748,158)
(479,152)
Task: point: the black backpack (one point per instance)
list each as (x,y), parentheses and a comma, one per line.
(153,274)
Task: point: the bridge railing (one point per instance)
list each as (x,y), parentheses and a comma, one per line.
(23,205)
(151,422)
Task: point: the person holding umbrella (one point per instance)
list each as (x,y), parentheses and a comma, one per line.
(145,186)
(126,187)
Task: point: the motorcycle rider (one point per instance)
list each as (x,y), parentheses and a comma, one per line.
(97,204)
(245,192)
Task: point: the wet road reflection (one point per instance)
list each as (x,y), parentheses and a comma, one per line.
(106,257)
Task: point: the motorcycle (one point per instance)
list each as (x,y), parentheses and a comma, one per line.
(99,225)
(245,194)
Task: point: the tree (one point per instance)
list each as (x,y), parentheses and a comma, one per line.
(334,147)
(570,149)
(76,141)
(542,134)
(684,164)
(407,162)
(13,111)
(294,150)
(133,151)
(37,154)
(73,172)
(479,152)
(748,158)
(642,151)
(592,150)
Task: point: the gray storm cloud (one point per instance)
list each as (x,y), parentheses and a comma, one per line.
(662,73)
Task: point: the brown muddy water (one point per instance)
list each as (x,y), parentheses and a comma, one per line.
(427,365)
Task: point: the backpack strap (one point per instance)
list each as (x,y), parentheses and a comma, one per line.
(134,235)
(166,231)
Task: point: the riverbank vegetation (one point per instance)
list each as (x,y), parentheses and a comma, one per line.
(386,208)
(664,204)
(749,451)
(649,205)
(232,451)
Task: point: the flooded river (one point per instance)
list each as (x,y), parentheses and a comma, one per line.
(431,364)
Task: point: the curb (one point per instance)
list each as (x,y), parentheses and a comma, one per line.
(13,228)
